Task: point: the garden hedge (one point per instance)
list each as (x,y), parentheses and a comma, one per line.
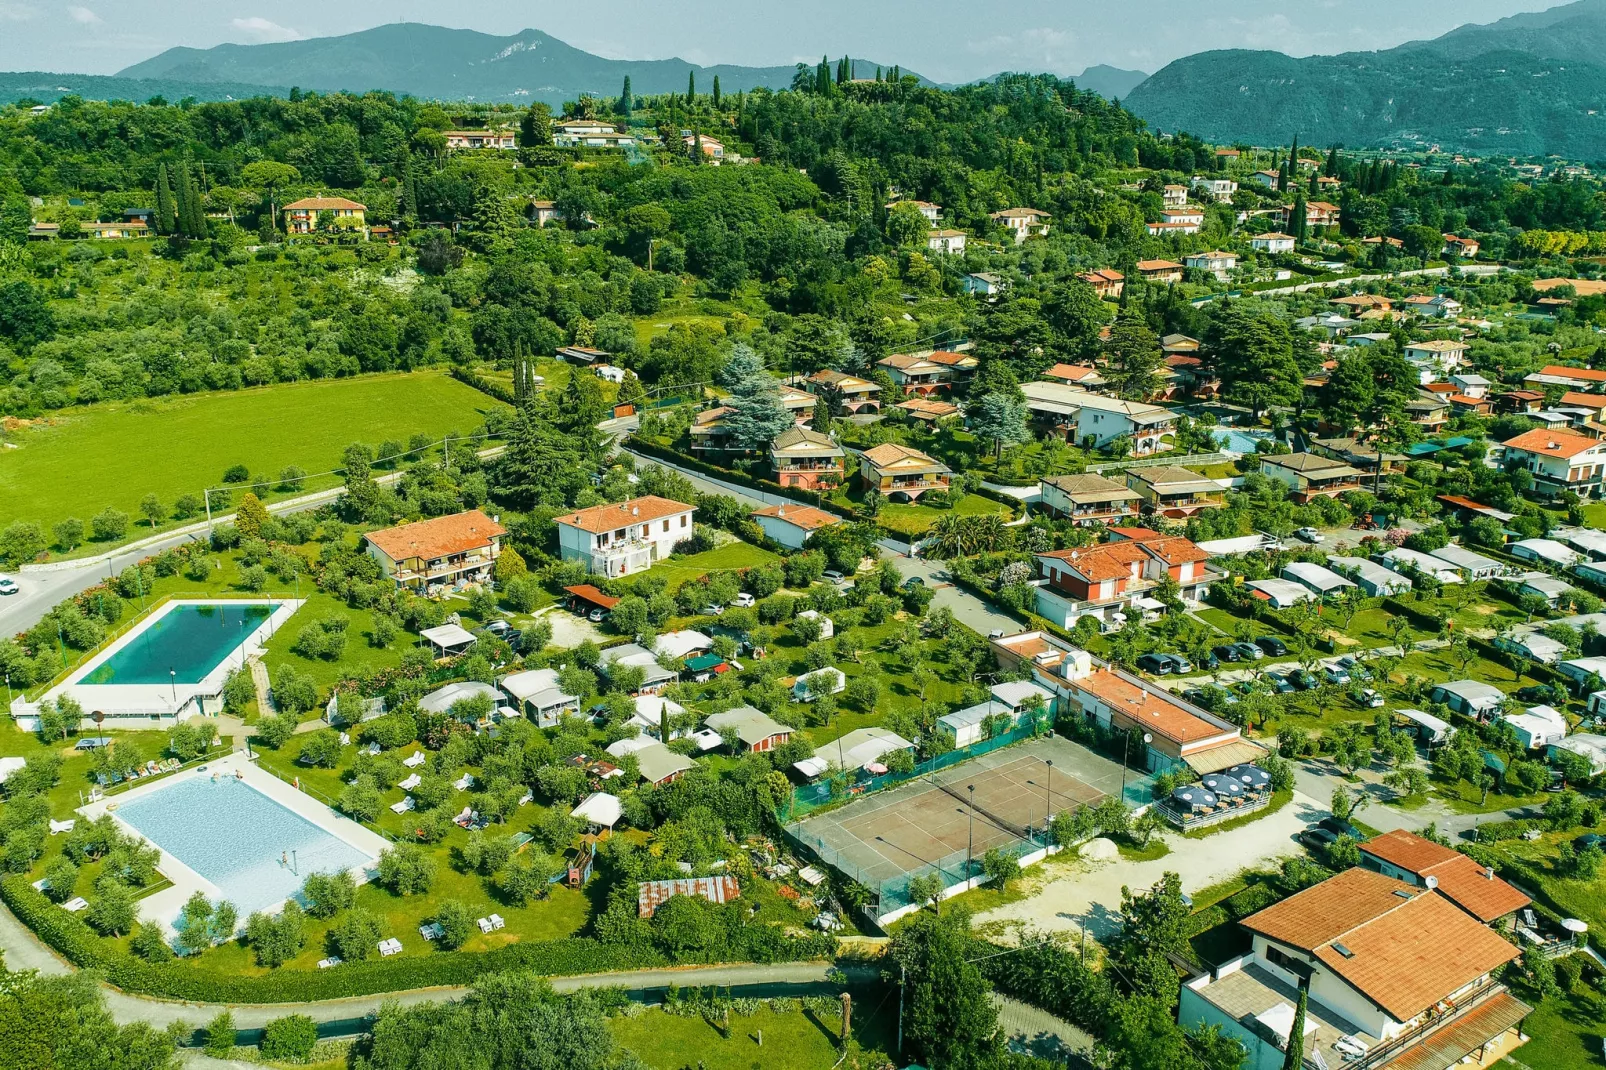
(483,385)
(74,940)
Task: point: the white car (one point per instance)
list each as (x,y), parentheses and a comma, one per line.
(1370,699)
(833,575)
(1310,535)
(743,600)
(713,611)
(8,585)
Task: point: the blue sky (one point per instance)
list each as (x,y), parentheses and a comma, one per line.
(949,40)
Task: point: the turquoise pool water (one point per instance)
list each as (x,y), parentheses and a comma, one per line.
(1230,438)
(189,640)
(236,837)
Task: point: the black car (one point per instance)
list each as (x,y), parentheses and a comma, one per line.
(1273,646)
(1281,684)
(1158,664)
(1340,828)
(1210,663)
(1227,652)
(1303,680)
(1318,838)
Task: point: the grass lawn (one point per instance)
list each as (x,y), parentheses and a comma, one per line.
(1566,1032)
(794,1040)
(732,555)
(917,519)
(175,446)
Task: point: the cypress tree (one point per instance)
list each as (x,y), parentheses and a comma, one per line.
(716,91)
(198,227)
(1315,184)
(626,99)
(181,200)
(1331,170)
(1297,217)
(691,86)
(1294,1057)
(166,217)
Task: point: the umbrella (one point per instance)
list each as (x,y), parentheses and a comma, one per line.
(1252,776)
(1573,925)
(1194,798)
(1223,785)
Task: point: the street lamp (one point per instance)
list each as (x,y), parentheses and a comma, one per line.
(970,849)
(172,675)
(1048,798)
(1125,748)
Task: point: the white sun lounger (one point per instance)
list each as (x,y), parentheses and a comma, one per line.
(390,947)
(464,782)
(432,931)
(61,826)
(332,960)
(75,904)
(415,759)
(527,798)
(412,781)
(485,925)
(497,922)
(403,806)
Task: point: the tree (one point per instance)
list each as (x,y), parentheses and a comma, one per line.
(69,534)
(290,1039)
(757,414)
(1000,868)
(927,888)
(535,126)
(627,99)
(327,894)
(61,1023)
(277,940)
(1263,371)
(220,1035)
(457,924)
(355,938)
(1001,418)
(108,524)
(151,508)
(1134,357)
(406,869)
(166,217)
(1345,804)
(270,176)
(949,1017)
(1155,926)
(111,913)
(25,318)
(249,516)
(1294,1055)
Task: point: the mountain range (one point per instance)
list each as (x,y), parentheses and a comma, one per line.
(1531,84)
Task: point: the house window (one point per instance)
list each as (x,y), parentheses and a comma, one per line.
(666,525)
(685,518)
(1277,957)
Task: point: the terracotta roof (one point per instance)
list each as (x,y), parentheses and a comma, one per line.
(440,537)
(1551,443)
(842,380)
(902,360)
(1403,948)
(1175,550)
(1593,375)
(802,516)
(805,440)
(1139,706)
(890,453)
(1136,534)
(1460,879)
(1090,487)
(928,407)
(587,593)
(1101,275)
(1588,401)
(1158,265)
(1448,1046)
(600,518)
(1111,561)
(1072,372)
(943,356)
(323,204)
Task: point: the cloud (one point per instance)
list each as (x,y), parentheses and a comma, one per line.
(16,12)
(83,16)
(263,30)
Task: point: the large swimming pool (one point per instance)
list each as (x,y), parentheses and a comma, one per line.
(183,645)
(1230,438)
(254,850)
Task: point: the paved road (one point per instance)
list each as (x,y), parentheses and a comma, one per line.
(1361,280)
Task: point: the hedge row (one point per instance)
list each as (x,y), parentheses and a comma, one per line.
(176,980)
(1538,670)
(482,384)
(1420,619)
(1236,907)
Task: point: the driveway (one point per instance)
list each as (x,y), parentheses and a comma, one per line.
(569,630)
(1087,894)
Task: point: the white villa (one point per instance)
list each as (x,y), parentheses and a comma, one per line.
(618,540)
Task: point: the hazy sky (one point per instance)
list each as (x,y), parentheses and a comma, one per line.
(949,40)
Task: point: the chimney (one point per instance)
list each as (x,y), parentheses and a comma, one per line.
(1488,873)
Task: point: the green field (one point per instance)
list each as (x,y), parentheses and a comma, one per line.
(792,1040)
(89,458)
(917,519)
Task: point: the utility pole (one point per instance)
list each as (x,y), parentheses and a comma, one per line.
(970,848)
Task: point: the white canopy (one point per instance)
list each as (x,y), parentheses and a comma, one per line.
(447,636)
(599,808)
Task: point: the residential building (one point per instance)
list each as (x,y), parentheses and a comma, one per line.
(659,765)
(1079,375)
(961,364)
(1464,248)
(792,524)
(1432,306)
(1311,475)
(620,539)
(445,551)
(1589,380)
(900,473)
(708,432)
(814,685)
(1093,420)
(711,147)
(1553,590)
(1474,566)
(1373,579)
(932,212)
(1023,222)
(1428,413)
(128,228)
(1219,190)
(946,241)
(1471,697)
(1362,455)
(1088,499)
(1558,461)
(635,655)
(1473,385)
(1272,242)
(544,212)
(854,395)
(929,410)
(1587,541)
(1396,976)
(1167,271)
(1317,214)
(1266,179)
(535,694)
(1106,282)
(854,750)
(1435,359)
(1537,726)
(583,356)
(916,374)
(1520,401)
(1190,214)
(755,730)
(1322,582)
(1279,593)
(1174,492)
(1115,579)
(976,724)
(807,459)
(985,283)
(1405,856)
(1588,745)
(481,139)
(315,213)
(1163,229)
(1357,304)
(1216,262)
(1405,560)
(1174,196)
(800,403)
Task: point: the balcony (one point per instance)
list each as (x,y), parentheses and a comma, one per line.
(442,569)
(810,466)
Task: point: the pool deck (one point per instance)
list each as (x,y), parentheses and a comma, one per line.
(158,705)
(165,905)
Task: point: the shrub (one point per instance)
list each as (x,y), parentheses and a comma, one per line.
(327,894)
(406,869)
(275,732)
(355,938)
(456,922)
(220,1035)
(108,524)
(290,1038)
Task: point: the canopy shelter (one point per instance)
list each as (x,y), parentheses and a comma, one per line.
(584,594)
(600,809)
(449,640)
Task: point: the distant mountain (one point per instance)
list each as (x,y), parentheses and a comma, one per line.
(440,63)
(1112,83)
(47,88)
(1531,84)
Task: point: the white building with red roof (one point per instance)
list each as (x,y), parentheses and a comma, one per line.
(1559,460)
(623,538)
(445,550)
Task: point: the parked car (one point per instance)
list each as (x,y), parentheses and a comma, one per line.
(1336,674)
(499,628)
(1310,535)
(1227,652)
(8,585)
(1179,664)
(1158,664)
(712,610)
(1318,839)
(1281,684)
(1248,652)
(996,633)
(1590,839)
(914,581)
(1340,828)
(1271,646)
(596,616)
(1369,699)
(1302,680)
(833,575)
(744,600)
(1210,663)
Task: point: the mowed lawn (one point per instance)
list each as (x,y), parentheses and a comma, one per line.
(917,519)
(113,455)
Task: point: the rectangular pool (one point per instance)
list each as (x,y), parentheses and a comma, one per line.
(255,850)
(183,645)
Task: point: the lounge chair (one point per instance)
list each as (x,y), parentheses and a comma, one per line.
(332,960)
(485,925)
(497,922)
(412,781)
(414,760)
(390,947)
(61,826)
(404,806)
(464,782)
(432,931)
(75,904)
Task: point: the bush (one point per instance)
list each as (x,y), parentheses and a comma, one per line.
(456,922)
(290,1038)
(406,869)
(108,524)
(327,894)
(275,732)
(220,1035)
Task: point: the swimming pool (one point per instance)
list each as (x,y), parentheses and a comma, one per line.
(183,645)
(237,838)
(1230,438)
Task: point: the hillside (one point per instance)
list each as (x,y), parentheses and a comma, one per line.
(46,87)
(436,62)
(1527,85)
(1111,82)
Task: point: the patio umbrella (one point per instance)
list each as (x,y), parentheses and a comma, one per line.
(1251,776)
(1228,787)
(1194,798)
(1573,925)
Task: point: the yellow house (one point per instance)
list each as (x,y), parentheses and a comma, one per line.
(309,213)
(900,473)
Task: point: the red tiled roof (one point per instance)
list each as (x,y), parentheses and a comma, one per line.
(1136,534)
(1579,398)
(600,518)
(802,516)
(587,593)
(1140,707)
(440,537)
(1175,550)
(1470,886)
(1111,561)
(323,204)
(1448,1046)
(1593,375)
(1551,443)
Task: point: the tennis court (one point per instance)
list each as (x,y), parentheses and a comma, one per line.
(940,823)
